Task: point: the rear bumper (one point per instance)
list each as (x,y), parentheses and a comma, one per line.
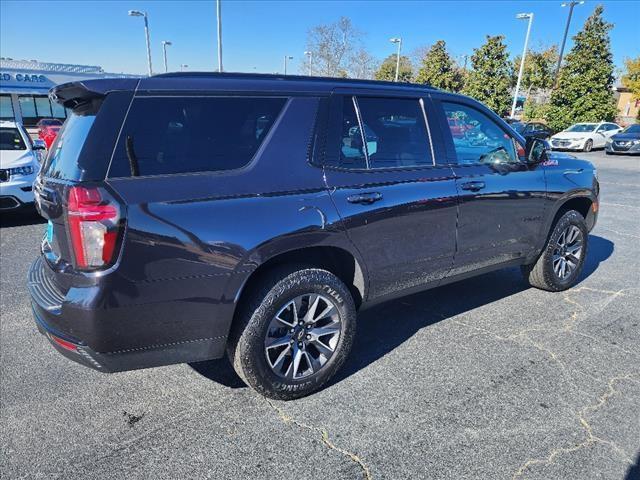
(94,336)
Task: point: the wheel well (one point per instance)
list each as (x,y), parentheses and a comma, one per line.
(582,205)
(333,259)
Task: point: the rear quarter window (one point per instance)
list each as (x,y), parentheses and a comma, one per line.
(172,135)
(62,160)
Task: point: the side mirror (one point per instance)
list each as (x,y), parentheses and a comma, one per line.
(39,145)
(537,151)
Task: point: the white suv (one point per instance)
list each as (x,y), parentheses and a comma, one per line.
(19,164)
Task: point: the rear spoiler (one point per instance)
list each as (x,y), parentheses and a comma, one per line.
(72,94)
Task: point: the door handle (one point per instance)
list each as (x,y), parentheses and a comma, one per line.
(473,186)
(365,198)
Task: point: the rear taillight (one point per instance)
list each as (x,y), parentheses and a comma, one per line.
(94,222)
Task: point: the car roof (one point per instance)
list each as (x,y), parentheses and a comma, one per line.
(73,93)
(265,82)
(8,123)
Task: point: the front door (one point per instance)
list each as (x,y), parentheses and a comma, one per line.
(398,206)
(502,198)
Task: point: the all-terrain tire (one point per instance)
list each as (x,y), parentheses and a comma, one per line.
(541,274)
(246,345)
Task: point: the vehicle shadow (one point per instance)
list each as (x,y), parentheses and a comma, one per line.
(386,326)
(634,470)
(24,216)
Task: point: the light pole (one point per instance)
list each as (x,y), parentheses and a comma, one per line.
(164,54)
(219,16)
(183,67)
(571,5)
(286,57)
(138,13)
(521,16)
(397,40)
(310,55)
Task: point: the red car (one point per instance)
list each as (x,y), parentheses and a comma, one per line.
(458,127)
(48,129)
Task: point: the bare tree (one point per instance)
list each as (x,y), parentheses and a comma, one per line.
(362,64)
(332,46)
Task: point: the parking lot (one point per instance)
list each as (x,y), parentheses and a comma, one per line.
(486,378)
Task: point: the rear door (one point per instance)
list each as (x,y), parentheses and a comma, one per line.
(501,197)
(398,206)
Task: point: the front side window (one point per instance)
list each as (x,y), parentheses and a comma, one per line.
(477,138)
(10,139)
(169,135)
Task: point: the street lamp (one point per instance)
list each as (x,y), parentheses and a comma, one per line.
(286,57)
(521,16)
(183,67)
(571,5)
(219,18)
(138,13)
(310,55)
(397,40)
(164,53)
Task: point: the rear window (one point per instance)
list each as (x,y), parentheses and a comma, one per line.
(62,161)
(10,139)
(169,135)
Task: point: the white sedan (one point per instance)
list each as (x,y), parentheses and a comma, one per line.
(584,136)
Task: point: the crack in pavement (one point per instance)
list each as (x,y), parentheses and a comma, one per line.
(591,438)
(579,312)
(324,435)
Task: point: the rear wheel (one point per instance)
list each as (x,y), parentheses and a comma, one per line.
(588,145)
(294,333)
(560,264)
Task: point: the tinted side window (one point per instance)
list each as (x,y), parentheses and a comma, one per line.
(477,138)
(168,135)
(395,132)
(62,160)
(352,153)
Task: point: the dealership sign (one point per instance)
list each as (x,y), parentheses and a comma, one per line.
(23,77)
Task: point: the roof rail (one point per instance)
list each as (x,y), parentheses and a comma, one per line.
(299,78)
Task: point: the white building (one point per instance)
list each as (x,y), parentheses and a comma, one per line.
(25,84)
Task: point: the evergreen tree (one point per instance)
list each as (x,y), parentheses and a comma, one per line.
(489,80)
(539,68)
(387,70)
(584,91)
(438,69)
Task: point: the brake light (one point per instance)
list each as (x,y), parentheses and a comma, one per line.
(93,220)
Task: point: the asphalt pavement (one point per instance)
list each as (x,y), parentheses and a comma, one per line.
(482,379)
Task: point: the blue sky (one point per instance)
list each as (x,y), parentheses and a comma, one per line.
(257,34)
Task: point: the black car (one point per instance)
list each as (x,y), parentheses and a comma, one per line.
(191,215)
(532,130)
(625,142)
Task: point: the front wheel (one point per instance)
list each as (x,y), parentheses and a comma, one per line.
(294,332)
(561,262)
(588,145)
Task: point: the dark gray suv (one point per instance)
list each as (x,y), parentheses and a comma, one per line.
(193,214)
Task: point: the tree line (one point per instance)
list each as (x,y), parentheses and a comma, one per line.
(583,92)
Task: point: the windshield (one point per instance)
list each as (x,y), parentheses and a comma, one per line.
(582,127)
(632,129)
(10,139)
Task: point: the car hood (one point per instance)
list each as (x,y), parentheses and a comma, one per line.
(571,135)
(15,158)
(626,136)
